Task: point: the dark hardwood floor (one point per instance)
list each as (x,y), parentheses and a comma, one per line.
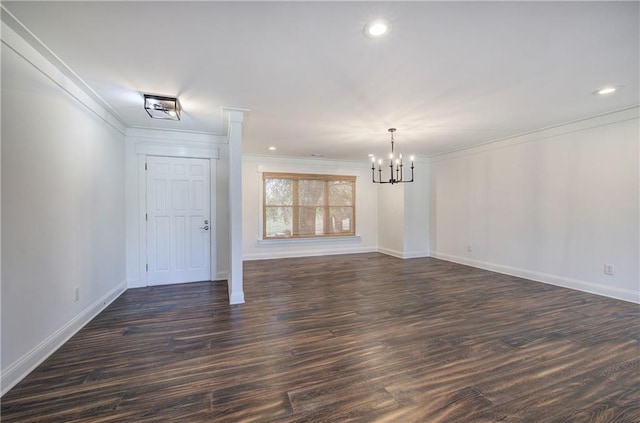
(365,337)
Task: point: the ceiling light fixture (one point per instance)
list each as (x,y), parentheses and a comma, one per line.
(395,165)
(606,90)
(160,107)
(272,148)
(378,28)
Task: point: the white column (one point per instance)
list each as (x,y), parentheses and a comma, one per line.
(416,213)
(391,220)
(403,216)
(236,293)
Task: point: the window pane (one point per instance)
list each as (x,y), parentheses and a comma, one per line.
(310,221)
(278,192)
(279,221)
(311,192)
(303,206)
(341,220)
(341,193)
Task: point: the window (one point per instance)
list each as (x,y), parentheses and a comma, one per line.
(305,206)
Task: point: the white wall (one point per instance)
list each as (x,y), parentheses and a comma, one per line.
(366,208)
(62,209)
(552,206)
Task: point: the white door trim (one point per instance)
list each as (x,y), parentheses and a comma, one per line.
(154,149)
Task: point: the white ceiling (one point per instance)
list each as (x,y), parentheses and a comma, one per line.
(449,75)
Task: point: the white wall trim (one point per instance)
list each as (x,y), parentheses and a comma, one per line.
(609,118)
(416,254)
(161,149)
(390,252)
(192,137)
(311,166)
(142,223)
(51,66)
(268,255)
(236,297)
(403,255)
(25,365)
(222,275)
(289,241)
(137,283)
(579,285)
(142,151)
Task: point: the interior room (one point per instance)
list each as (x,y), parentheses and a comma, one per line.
(320,211)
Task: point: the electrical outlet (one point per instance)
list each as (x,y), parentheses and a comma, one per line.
(77,293)
(609,269)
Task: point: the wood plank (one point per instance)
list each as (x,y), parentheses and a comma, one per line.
(363,337)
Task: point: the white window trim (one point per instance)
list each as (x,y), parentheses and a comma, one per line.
(292,240)
(309,240)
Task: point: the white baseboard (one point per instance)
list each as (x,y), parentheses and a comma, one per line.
(237,298)
(416,254)
(578,285)
(268,255)
(390,252)
(136,284)
(222,275)
(25,365)
(403,255)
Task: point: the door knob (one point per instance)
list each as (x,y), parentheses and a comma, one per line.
(205,227)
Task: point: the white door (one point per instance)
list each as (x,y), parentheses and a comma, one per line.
(178,220)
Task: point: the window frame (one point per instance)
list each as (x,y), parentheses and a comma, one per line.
(296,206)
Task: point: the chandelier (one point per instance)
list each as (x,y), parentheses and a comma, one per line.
(395,167)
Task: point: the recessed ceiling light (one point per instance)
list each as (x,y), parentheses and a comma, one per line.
(606,90)
(378,28)
(272,148)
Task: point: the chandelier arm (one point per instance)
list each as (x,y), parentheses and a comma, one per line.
(411,173)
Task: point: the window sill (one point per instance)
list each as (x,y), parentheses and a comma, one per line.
(308,240)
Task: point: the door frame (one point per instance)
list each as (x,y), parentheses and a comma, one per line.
(143,150)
